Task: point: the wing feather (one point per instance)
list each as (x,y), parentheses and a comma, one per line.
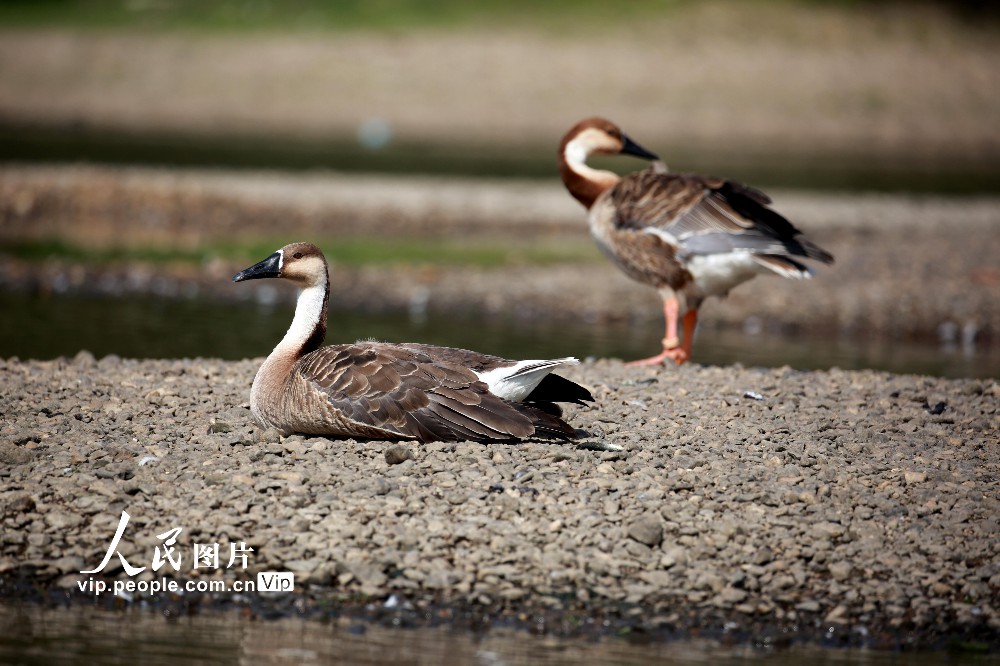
(407,390)
(706,216)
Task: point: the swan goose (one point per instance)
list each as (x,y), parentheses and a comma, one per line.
(686,235)
(379,390)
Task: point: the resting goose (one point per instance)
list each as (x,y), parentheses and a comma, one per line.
(377,390)
(689,236)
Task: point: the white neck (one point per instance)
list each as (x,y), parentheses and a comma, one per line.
(308,311)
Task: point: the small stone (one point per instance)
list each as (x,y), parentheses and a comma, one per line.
(397,454)
(659,579)
(12,454)
(68,581)
(68,564)
(827,530)
(270,435)
(524,475)
(22,504)
(648,530)
(914,477)
(732,595)
(218,427)
(809,606)
(62,520)
(840,571)
(836,616)
(84,359)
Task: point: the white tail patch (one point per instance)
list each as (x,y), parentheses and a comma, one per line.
(516,382)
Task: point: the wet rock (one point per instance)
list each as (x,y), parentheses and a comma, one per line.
(837,615)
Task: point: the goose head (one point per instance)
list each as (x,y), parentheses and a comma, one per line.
(301,263)
(305,266)
(594,136)
(599,136)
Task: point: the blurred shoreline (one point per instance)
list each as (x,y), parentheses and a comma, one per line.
(908,267)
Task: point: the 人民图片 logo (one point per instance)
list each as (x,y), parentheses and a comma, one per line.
(204,558)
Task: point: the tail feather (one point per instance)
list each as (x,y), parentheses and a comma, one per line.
(814,251)
(516,382)
(546,425)
(783,266)
(531,367)
(555,388)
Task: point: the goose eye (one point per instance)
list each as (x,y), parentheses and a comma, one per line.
(297,255)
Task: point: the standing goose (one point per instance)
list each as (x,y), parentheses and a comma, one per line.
(688,236)
(377,390)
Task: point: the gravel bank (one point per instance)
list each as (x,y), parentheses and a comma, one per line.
(792,501)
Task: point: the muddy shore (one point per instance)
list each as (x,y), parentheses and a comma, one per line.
(780,502)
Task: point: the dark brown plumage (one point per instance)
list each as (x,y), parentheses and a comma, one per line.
(395,391)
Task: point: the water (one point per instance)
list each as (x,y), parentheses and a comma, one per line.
(136,635)
(29,142)
(149,327)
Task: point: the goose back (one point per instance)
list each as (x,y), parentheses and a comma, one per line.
(655,224)
(383,391)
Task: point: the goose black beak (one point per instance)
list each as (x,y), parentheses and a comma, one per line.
(630,147)
(269,268)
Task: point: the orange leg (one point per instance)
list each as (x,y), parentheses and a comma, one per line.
(671,343)
(690,323)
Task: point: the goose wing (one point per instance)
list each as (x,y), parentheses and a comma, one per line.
(465,358)
(412,393)
(501,373)
(697,215)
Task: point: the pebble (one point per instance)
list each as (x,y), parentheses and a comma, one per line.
(648,530)
(12,454)
(398,453)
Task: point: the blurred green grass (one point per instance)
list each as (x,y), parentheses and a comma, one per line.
(387,15)
(318,14)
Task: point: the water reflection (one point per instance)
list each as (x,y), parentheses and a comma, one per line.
(83,634)
(176,328)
